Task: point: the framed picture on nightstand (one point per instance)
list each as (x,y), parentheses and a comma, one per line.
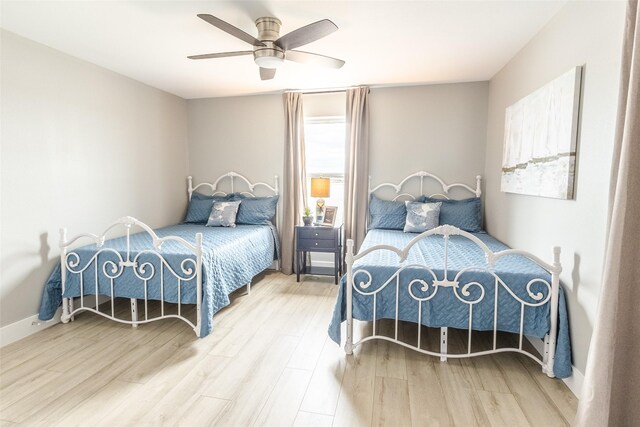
(329,216)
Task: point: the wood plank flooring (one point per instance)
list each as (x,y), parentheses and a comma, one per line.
(268,362)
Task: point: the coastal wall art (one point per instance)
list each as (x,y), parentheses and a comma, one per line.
(539,155)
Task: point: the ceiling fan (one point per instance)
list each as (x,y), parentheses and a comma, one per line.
(270,50)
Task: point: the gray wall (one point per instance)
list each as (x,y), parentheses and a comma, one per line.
(243,134)
(81,147)
(583,33)
(441,128)
(437,128)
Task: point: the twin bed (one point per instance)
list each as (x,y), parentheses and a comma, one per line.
(187,263)
(445,277)
(450,278)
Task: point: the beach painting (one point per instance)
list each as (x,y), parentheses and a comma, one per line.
(539,155)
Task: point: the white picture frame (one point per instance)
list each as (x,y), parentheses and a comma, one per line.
(330,213)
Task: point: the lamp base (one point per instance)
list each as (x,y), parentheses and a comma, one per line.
(319,211)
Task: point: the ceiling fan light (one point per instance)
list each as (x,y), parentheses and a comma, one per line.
(269,61)
(269,57)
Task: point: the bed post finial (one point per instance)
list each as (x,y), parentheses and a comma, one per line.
(478,185)
(190,186)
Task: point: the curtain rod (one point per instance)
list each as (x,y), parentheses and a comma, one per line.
(315,92)
(319,91)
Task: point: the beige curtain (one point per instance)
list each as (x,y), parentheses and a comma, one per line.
(356,190)
(294,186)
(611,390)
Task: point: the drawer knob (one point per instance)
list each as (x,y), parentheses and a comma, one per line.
(316,243)
(316,234)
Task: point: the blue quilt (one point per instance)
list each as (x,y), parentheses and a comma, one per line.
(230,259)
(445,310)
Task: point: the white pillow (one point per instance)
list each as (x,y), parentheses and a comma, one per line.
(421,216)
(223,214)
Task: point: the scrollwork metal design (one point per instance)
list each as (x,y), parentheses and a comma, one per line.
(187,266)
(466,293)
(145,271)
(189,271)
(538,296)
(116,269)
(71,264)
(425,285)
(358,285)
(362,285)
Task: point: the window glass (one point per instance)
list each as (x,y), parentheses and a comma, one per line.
(325,155)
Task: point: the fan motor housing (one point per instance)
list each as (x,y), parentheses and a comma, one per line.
(269,56)
(268,28)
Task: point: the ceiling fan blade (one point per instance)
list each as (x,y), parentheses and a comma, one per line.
(306,34)
(221,54)
(267,73)
(228,28)
(313,59)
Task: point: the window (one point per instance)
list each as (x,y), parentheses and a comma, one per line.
(324,149)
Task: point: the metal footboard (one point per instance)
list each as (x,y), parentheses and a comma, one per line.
(424,289)
(118,262)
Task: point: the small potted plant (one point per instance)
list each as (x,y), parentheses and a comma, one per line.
(307,218)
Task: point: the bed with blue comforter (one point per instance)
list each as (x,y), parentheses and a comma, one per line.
(444,310)
(232,256)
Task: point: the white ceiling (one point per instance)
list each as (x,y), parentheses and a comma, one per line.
(382,42)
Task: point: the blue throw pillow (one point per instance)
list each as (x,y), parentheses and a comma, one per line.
(421,216)
(258,210)
(465,214)
(200,207)
(386,214)
(238,196)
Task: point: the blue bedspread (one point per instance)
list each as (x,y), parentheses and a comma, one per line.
(445,310)
(230,259)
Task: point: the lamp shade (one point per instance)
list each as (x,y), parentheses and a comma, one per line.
(320,187)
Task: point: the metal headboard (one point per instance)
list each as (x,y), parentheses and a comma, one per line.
(398,188)
(232,176)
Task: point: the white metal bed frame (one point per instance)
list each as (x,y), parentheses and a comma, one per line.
(461,291)
(145,271)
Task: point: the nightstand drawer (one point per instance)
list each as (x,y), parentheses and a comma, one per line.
(311,244)
(316,233)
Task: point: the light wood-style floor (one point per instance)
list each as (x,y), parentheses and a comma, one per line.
(268,362)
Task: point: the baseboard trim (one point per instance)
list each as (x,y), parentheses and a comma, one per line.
(575,381)
(25,327)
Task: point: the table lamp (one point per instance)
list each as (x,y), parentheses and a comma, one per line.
(320,189)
